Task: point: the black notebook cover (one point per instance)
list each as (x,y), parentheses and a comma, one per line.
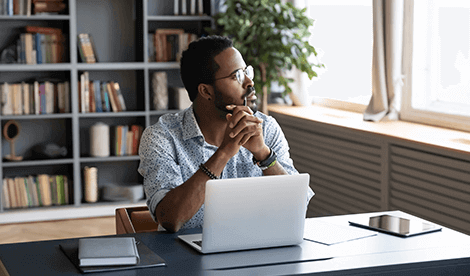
(148,258)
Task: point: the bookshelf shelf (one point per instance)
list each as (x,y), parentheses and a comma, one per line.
(37,117)
(35,17)
(113,114)
(180,18)
(109,159)
(36,67)
(38,163)
(163,65)
(120,30)
(111,66)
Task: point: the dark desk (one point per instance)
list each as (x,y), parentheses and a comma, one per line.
(441,253)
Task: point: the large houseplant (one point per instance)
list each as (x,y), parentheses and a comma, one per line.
(272,37)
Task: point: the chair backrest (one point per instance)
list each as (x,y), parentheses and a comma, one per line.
(134,220)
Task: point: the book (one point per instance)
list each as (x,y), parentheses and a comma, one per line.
(193,7)
(148,258)
(25,90)
(66,189)
(28,37)
(67,97)
(112,99)
(200,7)
(105,97)
(86,91)
(51,7)
(29,192)
(33,190)
(97,94)
(45,190)
(108,251)
(136,134)
(60,189)
(120,97)
(12,190)
(7,99)
(5,195)
(85,47)
(53,185)
(91,99)
(49,96)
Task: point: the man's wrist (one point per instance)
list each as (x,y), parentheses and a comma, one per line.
(263,154)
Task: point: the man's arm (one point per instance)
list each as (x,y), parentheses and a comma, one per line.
(254,143)
(181,203)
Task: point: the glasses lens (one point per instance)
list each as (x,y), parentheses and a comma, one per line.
(250,72)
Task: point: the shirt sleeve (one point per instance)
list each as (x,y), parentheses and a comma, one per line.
(275,139)
(158,165)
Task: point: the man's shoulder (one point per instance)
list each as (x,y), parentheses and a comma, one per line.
(170,120)
(267,120)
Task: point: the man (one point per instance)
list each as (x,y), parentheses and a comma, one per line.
(217,137)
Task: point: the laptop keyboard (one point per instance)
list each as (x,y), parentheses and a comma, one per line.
(199,243)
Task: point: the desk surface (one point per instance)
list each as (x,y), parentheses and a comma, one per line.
(444,252)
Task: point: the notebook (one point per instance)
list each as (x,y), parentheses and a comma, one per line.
(252,213)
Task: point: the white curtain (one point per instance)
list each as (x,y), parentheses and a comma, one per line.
(387,78)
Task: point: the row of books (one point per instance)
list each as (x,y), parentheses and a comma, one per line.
(192,7)
(127,139)
(28,7)
(40,45)
(39,97)
(36,191)
(168,44)
(99,96)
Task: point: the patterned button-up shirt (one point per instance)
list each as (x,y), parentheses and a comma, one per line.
(172,150)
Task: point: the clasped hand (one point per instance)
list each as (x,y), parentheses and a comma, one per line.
(243,129)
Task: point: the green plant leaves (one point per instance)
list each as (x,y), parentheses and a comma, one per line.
(269,32)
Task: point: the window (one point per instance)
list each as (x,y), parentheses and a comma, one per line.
(438,51)
(343,37)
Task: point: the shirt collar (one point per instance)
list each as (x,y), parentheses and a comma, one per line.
(190,126)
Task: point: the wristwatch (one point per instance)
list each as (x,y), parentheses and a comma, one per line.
(268,162)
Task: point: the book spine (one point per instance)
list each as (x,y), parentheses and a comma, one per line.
(98,101)
(60,190)
(37,99)
(12,190)
(112,98)
(200,8)
(5,195)
(45,189)
(37,37)
(67,97)
(91,99)
(105,97)
(25,88)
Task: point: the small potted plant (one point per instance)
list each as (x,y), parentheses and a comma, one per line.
(272,37)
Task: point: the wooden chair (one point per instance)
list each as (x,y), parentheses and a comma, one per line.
(134,220)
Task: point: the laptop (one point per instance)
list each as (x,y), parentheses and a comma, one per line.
(252,213)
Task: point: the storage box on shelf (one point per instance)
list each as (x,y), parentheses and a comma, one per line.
(120,31)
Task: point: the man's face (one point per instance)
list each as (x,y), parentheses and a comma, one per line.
(227,88)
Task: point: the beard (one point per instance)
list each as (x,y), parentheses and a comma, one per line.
(220,104)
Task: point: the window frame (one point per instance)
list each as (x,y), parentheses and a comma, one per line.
(418,115)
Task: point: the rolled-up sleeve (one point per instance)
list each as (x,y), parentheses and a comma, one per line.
(158,165)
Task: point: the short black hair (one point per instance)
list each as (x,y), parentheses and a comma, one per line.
(198,64)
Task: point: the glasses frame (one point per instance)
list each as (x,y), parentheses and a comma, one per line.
(241,73)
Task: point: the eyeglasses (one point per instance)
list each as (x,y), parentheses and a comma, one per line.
(241,73)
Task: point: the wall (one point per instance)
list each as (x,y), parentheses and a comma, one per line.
(355,171)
